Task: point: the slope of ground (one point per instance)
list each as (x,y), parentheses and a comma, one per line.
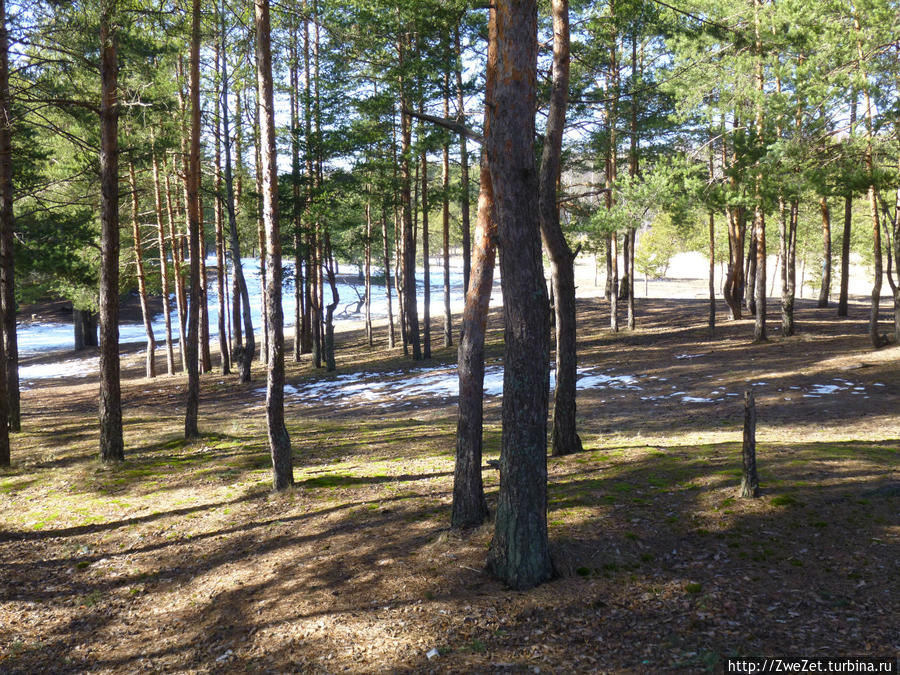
(182,560)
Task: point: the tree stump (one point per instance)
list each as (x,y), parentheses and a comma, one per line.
(750,480)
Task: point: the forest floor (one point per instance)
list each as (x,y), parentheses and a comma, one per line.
(181,559)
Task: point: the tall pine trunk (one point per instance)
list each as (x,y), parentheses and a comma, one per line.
(387,275)
(426,251)
(463,168)
(519,552)
(178,265)
(469,505)
(564,437)
(191,429)
(848,224)
(243,348)
(279,441)
(141,278)
(759,221)
(221,270)
(8,365)
(825,288)
(111,443)
(408,250)
(163,265)
(445,219)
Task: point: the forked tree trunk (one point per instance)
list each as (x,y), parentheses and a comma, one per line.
(825,289)
(191,429)
(519,552)
(142,281)
(279,441)
(789,269)
(7,365)
(469,505)
(112,446)
(564,437)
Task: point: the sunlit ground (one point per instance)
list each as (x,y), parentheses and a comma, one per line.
(181,559)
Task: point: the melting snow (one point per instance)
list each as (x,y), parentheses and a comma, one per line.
(70,368)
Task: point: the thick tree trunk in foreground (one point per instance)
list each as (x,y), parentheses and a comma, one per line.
(469,505)
(7,364)
(825,289)
(279,441)
(191,430)
(112,446)
(750,480)
(519,553)
(564,437)
(142,282)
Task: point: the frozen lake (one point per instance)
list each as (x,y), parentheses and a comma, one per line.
(37,338)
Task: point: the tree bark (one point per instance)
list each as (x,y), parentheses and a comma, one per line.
(279,441)
(750,480)
(825,288)
(8,365)
(142,282)
(112,446)
(564,437)
(469,505)
(191,429)
(519,553)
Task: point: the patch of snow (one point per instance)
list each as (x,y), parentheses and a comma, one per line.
(69,368)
